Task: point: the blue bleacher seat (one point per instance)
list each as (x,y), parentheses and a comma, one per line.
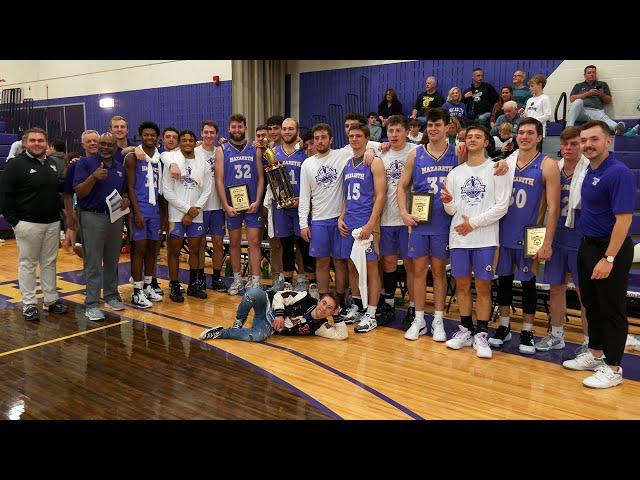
(4,150)
(3,160)
(3,126)
(630,159)
(627,144)
(7,138)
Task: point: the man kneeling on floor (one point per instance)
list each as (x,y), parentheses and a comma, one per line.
(286,313)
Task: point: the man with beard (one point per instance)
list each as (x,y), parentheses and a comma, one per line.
(30,201)
(605,256)
(285,220)
(95,178)
(186,197)
(144,181)
(239,163)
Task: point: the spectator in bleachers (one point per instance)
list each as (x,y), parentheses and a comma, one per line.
(605,256)
(30,202)
(506,94)
(510,116)
(462,136)
(375,129)
(455,106)
(521,91)
(633,131)
(389,106)
(588,100)
(539,105)
(430,98)
(481,97)
(415,135)
(452,129)
(17,148)
(56,152)
(95,177)
(504,140)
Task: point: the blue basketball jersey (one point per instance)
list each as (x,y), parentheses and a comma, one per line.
(240,168)
(292,165)
(525,204)
(359,194)
(428,174)
(568,238)
(142,188)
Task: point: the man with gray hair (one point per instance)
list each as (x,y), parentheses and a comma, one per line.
(510,115)
(430,98)
(521,92)
(588,99)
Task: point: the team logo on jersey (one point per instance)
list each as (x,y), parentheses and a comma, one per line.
(595,181)
(394,171)
(326,176)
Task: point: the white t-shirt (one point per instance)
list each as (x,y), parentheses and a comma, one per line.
(393,164)
(166,156)
(16,149)
(191,190)
(213,202)
(539,108)
(481,196)
(417,138)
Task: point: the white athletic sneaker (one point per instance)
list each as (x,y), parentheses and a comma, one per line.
(437,329)
(604,377)
(461,339)
(585,361)
(366,324)
(94,314)
(252,284)
(481,345)
(416,329)
(151,294)
(236,287)
(351,315)
(140,300)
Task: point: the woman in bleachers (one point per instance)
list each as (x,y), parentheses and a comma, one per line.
(506,94)
(390,105)
(454,105)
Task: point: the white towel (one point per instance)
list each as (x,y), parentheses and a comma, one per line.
(574,189)
(359,258)
(150,161)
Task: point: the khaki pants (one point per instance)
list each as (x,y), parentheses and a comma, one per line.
(37,244)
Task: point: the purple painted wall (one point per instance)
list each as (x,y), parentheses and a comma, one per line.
(183,107)
(327,95)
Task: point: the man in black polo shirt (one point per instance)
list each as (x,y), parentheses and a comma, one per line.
(482,97)
(31,203)
(605,256)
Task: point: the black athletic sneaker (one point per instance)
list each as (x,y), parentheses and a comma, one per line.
(174,292)
(526,342)
(211,333)
(156,287)
(503,334)
(56,307)
(31,313)
(385,314)
(195,290)
(218,285)
(409,318)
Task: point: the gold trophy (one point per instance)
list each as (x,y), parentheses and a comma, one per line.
(278,180)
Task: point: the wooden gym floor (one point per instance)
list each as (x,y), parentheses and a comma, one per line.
(149,364)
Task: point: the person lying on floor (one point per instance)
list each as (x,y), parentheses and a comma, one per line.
(286,313)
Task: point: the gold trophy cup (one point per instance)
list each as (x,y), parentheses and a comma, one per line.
(278,180)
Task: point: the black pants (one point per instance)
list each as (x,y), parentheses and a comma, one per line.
(289,256)
(606,299)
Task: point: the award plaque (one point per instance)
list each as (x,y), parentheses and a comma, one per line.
(533,240)
(421,205)
(239,197)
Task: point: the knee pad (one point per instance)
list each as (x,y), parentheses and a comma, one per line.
(529,296)
(505,290)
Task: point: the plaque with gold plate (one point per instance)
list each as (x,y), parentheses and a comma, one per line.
(533,240)
(278,180)
(239,197)
(421,206)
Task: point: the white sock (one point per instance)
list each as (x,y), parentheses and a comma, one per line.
(390,301)
(557,331)
(437,315)
(527,327)
(412,305)
(586,339)
(237,276)
(137,285)
(255,278)
(371,311)
(504,321)
(420,316)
